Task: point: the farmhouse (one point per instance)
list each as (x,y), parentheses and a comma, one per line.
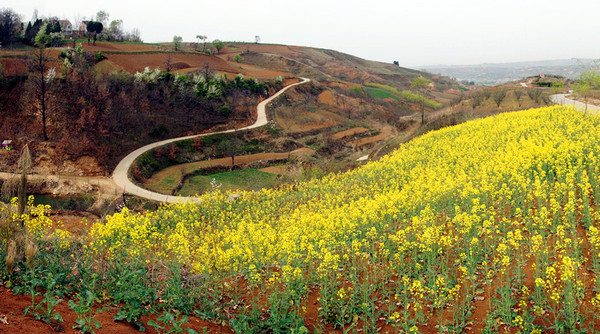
(65,26)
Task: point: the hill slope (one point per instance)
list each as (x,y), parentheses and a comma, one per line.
(450,217)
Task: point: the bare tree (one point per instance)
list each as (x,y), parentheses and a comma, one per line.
(168,63)
(535,94)
(518,93)
(477,99)
(499,96)
(39,83)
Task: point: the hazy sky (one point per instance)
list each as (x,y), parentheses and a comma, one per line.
(414,32)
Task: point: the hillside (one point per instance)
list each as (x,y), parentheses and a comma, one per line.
(490,226)
(336,100)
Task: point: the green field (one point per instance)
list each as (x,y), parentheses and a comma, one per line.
(243,179)
(380,94)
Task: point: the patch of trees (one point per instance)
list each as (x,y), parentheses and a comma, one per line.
(80,112)
(94,28)
(10,26)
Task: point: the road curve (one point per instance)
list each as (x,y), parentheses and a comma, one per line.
(563,100)
(121,176)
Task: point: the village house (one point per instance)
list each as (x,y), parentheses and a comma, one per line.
(65,27)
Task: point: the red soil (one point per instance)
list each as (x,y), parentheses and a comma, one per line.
(12,306)
(119,47)
(360,142)
(349,132)
(327,98)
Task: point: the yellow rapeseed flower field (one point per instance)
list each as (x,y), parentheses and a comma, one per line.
(499,214)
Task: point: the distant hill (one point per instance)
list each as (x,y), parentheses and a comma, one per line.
(497,73)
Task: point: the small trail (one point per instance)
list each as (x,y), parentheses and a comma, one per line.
(120,175)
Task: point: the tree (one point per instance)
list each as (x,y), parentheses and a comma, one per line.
(588,79)
(535,94)
(42,38)
(115,30)
(396,63)
(420,85)
(256,39)
(168,63)
(499,96)
(10,26)
(218,44)
(32,30)
(39,83)
(203,39)
(177,41)
(583,88)
(518,93)
(230,147)
(102,16)
(95,28)
(477,99)
(134,35)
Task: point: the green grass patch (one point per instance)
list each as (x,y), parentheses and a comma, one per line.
(242,179)
(405,94)
(380,94)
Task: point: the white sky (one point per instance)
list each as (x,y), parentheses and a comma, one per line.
(414,32)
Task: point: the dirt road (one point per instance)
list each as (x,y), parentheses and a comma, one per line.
(563,100)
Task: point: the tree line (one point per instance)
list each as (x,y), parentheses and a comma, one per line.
(50,32)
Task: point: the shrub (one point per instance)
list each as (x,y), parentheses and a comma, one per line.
(100,56)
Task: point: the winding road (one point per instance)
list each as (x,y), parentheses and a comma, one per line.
(563,100)
(121,173)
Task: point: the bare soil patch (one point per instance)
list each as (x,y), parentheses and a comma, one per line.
(122,47)
(327,98)
(12,306)
(349,132)
(279,169)
(364,141)
(293,120)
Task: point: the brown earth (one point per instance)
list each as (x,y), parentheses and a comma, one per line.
(12,306)
(279,169)
(120,47)
(364,141)
(349,132)
(303,120)
(182,62)
(327,98)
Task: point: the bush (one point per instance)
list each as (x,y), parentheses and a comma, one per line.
(100,56)
(237,58)
(224,110)
(356,91)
